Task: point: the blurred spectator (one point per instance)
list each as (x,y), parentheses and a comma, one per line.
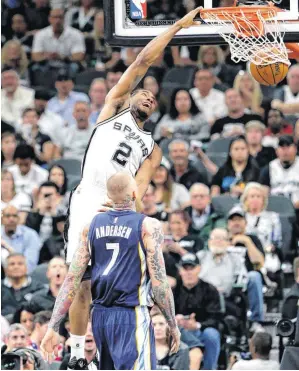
(17,337)
(14,97)
(97,92)
(90,351)
(250,249)
(212,57)
(290,302)
(238,170)
(209,100)
(63,103)
(184,119)
(74,139)
(41,320)
(44,149)
(179,242)
(197,305)
(47,208)
(8,147)
(4,330)
(38,16)
(289,93)
(277,127)
(282,174)
(17,287)
(57,175)
(264,224)
(113,77)
(27,175)
(49,122)
(150,207)
(25,316)
(250,92)
(169,195)
(254,131)
(177,361)
(203,216)
(82,18)
(260,346)
(296,135)
(19,26)
(57,43)
(233,124)
(182,171)
(45,298)
(14,57)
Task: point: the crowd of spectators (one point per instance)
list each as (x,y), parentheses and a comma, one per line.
(227,189)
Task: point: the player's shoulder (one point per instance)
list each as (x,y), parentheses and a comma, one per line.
(151,225)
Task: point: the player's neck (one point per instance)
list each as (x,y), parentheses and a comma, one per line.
(139,120)
(127,205)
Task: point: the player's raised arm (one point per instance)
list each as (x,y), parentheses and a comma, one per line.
(66,296)
(163,297)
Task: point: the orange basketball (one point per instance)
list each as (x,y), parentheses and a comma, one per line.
(270,74)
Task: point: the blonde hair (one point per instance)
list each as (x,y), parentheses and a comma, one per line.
(249,186)
(204,48)
(24,60)
(257,96)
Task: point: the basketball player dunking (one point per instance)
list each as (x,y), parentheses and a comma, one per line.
(127,268)
(118,143)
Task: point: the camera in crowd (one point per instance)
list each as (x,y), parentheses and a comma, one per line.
(22,359)
(286,328)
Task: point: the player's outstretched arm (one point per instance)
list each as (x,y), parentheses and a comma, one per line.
(153,238)
(66,295)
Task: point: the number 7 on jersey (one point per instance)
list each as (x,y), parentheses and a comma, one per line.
(115,248)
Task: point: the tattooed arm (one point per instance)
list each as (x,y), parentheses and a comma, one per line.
(153,238)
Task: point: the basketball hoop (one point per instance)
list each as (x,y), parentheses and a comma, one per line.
(256,34)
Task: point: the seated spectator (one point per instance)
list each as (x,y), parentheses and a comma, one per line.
(19,26)
(250,92)
(8,147)
(38,16)
(282,174)
(254,136)
(25,317)
(184,119)
(150,207)
(296,135)
(177,361)
(277,126)
(169,195)
(233,124)
(264,224)
(238,170)
(97,93)
(82,18)
(41,320)
(289,93)
(14,97)
(113,76)
(57,43)
(17,287)
(45,150)
(90,351)
(151,83)
(209,100)
(254,260)
(16,338)
(197,305)
(64,102)
(45,299)
(182,171)
(212,57)
(27,175)
(260,346)
(14,57)
(290,303)
(203,216)
(57,175)
(49,122)
(20,238)
(48,207)
(74,139)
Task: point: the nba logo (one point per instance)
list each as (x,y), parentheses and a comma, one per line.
(138,9)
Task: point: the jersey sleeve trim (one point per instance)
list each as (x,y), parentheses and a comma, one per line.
(113,117)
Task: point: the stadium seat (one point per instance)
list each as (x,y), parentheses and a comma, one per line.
(44,79)
(82,88)
(203,171)
(219,146)
(223,204)
(40,274)
(73,181)
(177,77)
(281,205)
(55,365)
(71,166)
(218,158)
(85,78)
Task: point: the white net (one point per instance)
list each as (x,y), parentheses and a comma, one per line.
(248,41)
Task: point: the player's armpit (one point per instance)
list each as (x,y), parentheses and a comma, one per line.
(72,281)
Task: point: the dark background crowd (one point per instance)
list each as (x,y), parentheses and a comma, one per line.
(227,190)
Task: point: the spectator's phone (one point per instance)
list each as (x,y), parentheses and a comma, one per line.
(196,144)
(168,239)
(187,317)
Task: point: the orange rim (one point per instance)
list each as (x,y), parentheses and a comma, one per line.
(294,50)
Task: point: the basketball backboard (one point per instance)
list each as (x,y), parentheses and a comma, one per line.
(134,23)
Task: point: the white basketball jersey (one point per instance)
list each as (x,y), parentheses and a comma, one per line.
(116,144)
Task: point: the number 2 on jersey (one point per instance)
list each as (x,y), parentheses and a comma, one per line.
(115,248)
(122,154)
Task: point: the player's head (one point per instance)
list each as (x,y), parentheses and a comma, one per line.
(143,104)
(122,189)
